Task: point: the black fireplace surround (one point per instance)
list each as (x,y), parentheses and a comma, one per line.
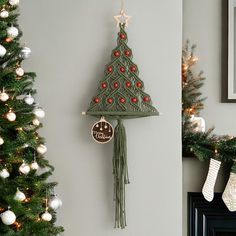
(209,219)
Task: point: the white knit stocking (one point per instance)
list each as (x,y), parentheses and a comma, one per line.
(208,188)
(229,195)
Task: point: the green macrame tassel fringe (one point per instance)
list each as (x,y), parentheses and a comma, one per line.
(120,171)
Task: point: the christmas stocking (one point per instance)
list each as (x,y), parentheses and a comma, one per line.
(229,195)
(208,188)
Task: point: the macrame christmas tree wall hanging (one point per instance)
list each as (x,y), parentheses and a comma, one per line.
(120,96)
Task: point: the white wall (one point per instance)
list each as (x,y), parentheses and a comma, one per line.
(202,25)
(71,43)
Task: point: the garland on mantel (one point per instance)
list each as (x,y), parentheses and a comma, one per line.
(197,142)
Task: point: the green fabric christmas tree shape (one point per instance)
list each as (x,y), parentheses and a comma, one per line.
(121,92)
(121,96)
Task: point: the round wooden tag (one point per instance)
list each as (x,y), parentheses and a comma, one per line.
(102,131)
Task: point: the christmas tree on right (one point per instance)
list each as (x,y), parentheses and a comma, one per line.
(200,143)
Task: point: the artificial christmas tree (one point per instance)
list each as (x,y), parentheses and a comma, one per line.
(120,96)
(24,192)
(206,146)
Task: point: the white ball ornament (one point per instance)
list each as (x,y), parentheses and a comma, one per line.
(1,141)
(198,123)
(55,203)
(4,173)
(11,116)
(36,122)
(8,217)
(3,51)
(19,196)
(12,32)
(4,14)
(39,112)
(34,165)
(14,2)
(46,216)
(20,71)
(41,149)
(25,53)
(4,96)
(24,168)
(29,99)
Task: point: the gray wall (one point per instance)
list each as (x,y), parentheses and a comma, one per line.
(202,25)
(71,43)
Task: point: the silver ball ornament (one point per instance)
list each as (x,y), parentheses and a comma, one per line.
(20,72)
(4,14)
(12,32)
(41,149)
(19,196)
(34,165)
(24,168)
(11,116)
(8,217)
(55,203)
(4,173)
(39,112)
(4,96)
(29,99)
(25,53)
(3,51)
(46,216)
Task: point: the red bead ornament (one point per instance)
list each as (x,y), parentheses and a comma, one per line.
(97,100)
(134,100)
(122,100)
(109,69)
(117,53)
(139,84)
(146,99)
(128,53)
(122,36)
(128,84)
(104,85)
(133,68)
(122,69)
(116,85)
(110,100)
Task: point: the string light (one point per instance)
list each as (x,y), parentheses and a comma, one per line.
(2,209)
(17,225)
(27,200)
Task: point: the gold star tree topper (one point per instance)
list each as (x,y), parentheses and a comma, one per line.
(122,18)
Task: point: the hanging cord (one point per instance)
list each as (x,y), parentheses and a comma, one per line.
(120,171)
(122,6)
